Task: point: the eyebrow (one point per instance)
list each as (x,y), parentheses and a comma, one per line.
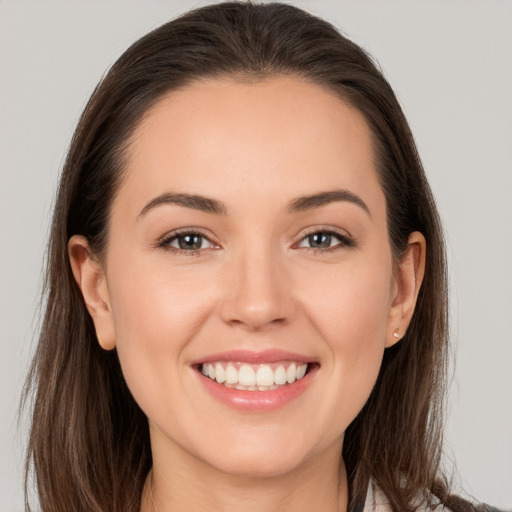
(195,202)
(208,205)
(324,198)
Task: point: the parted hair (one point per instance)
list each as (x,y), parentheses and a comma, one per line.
(89,447)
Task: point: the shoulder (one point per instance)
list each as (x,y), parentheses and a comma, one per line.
(376,501)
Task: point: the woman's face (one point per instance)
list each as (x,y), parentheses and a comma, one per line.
(248,241)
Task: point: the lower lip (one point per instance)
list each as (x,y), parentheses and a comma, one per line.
(258,401)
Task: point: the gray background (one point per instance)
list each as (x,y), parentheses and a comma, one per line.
(450,64)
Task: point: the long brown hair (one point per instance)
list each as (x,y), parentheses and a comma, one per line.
(89,445)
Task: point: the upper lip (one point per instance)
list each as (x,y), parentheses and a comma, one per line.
(254,357)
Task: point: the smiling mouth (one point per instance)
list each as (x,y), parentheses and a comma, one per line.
(255,377)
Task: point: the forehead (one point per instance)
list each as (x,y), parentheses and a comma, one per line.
(273,138)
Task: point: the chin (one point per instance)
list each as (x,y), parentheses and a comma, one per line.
(260,465)
(261,457)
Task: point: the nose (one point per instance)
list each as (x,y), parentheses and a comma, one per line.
(257,292)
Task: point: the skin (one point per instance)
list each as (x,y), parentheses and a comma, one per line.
(255,285)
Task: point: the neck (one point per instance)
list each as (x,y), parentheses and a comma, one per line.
(180,484)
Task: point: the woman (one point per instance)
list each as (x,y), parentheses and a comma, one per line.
(246,282)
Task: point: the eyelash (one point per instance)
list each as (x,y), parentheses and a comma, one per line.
(345,240)
(165,242)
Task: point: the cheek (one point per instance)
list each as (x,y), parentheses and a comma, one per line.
(350,308)
(151,301)
(350,304)
(156,314)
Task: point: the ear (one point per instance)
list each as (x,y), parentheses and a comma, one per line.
(407,282)
(92,281)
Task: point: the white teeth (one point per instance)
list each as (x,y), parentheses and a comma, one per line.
(265,376)
(246,376)
(254,377)
(220,374)
(291,373)
(231,375)
(280,376)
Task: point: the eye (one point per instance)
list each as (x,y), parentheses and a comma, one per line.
(324,240)
(186,242)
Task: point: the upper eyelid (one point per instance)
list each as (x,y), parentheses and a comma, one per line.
(186,231)
(324,229)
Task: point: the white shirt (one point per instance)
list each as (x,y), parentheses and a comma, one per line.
(376,501)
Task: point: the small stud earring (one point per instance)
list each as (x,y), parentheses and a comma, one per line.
(395,334)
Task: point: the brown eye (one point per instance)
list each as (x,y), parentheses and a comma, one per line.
(187,242)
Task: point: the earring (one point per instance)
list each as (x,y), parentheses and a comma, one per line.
(395,334)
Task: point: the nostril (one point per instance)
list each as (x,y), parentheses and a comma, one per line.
(257,323)
(254,317)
